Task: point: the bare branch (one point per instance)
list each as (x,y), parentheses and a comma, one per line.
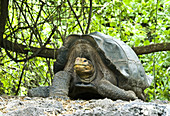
(19,48)
(152,48)
(34,53)
(52,53)
(75,16)
(89,20)
(20,80)
(34,31)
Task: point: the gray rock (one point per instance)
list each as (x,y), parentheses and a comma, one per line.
(1,114)
(107,107)
(35,107)
(101,107)
(168,109)
(13,104)
(27,98)
(29,111)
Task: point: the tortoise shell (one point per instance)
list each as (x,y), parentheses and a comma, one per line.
(115,54)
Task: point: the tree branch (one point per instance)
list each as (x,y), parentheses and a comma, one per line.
(34,53)
(75,16)
(20,80)
(19,48)
(90,13)
(152,48)
(52,53)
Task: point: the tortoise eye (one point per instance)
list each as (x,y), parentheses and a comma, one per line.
(85,60)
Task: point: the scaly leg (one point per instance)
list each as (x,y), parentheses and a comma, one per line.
(39,92)
(60,85)
(107,89)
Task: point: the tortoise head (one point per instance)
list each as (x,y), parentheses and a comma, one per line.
(83,68)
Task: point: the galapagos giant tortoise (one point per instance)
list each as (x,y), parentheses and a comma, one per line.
(96,66)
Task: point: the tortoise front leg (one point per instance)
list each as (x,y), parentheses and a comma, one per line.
(60,85)
(107,89)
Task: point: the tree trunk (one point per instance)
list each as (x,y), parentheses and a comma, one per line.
(3,15)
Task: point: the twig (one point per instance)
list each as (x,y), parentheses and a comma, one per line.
(27,21)
(20,79)
(89,20)
(35,54)
(75,16)
(49,68)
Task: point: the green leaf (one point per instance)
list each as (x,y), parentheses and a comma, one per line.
(146,42)
(27,48)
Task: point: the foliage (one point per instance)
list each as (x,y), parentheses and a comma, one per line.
(136,22)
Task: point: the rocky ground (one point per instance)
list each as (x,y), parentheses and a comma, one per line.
(27,106)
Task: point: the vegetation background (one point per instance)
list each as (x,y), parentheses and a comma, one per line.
(33,30)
